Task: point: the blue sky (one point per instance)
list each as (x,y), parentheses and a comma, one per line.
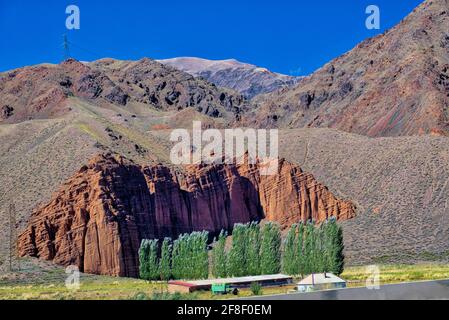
(288,36)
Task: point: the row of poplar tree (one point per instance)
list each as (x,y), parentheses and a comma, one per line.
(256,249)
(185,258)
(309,249)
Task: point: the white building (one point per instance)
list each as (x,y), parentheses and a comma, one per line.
(321,281)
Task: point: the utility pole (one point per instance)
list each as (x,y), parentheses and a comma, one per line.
(12,238)
(66,48)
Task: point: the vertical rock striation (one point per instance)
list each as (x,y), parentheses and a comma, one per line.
(99,216)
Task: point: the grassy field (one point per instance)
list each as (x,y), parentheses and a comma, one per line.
(398,273)
(39,280)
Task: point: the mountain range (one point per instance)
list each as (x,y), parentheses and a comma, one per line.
(391,85)
(364,139)
(245,78)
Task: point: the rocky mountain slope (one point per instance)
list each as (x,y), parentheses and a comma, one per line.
(49,126)
(245,78)
(100,215)
(399,184)
(55,117)
(42,91)
(394,84)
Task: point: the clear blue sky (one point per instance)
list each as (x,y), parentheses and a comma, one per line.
(288,36)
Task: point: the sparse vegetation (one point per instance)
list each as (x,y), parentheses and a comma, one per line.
(388,179)
(256,289)
(173,296)
(164,296)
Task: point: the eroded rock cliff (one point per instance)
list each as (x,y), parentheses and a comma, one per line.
(98,217)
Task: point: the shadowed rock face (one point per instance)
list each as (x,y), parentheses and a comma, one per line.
(98,218)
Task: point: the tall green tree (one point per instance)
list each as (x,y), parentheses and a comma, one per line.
(336,247)
(179,263)
(327,245)
(270,249)
(253,249)
(300,252)
(219,257)
(199,254)
(309,247)
(143,259)
(289,256)
(165,260)
(237,258)
(190,258)
(320,257)
(148,260)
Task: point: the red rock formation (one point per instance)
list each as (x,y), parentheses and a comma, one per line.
(98,218)
(292,195)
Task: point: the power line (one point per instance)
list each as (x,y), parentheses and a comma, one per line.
(96,54)
(67,44)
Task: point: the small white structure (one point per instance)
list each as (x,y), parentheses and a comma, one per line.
(321,281)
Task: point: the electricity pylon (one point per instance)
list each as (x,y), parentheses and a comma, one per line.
(12,237)
(66,46)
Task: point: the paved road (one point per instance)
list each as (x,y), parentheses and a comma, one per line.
(429,290)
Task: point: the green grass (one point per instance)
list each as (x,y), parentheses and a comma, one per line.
(89,290)
(84,127)
(43,281)
(38,280)
(399,273)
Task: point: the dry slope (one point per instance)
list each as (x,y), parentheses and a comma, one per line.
(391,85)
(400,186)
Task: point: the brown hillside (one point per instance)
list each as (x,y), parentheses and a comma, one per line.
(399,184)
(41,92)
(391,85)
